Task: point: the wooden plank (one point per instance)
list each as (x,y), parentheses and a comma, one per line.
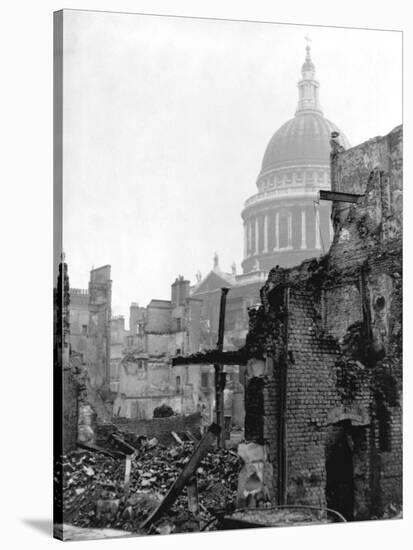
(192,493)
(128,464)
(123,445)
(177,438)
(191,436)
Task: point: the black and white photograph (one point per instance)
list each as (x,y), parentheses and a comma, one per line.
(227,301)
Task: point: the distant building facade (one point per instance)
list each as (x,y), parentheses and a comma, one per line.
(90,314)
(156,333)
(118,341)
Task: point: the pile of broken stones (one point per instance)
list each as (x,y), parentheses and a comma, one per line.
(92,491)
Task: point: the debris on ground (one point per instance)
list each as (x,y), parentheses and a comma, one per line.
(281,516)
(392,511)
(68,532)
(94,493)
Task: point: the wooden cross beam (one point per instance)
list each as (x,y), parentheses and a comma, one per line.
(212,356)
(220,375)
(215,357)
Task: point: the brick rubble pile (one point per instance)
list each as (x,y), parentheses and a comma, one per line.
(94,494)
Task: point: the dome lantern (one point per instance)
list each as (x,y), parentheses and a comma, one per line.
(308,86)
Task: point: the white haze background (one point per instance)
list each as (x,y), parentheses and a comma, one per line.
(166,121)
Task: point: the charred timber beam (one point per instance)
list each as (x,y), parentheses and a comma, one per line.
(185,477)
(338,196)
(98,449)
(122,445)
(221,325)
(220,376)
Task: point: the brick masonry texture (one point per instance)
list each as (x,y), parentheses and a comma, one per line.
(70,411)
(334,326)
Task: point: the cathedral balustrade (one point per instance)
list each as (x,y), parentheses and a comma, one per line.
(281,194)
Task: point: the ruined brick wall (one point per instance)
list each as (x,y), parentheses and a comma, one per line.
(65,386)
(263,397)
(385,303)
(70,410)
(331,331)
(341,307)
(369,233)
(311,394)
(271,395)
(374,170)
(332,379)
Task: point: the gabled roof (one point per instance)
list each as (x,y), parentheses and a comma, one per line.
(215,280)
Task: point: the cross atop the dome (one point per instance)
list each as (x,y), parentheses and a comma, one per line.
(308,40)
(216,260)
(308,85)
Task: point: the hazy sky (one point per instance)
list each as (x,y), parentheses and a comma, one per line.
(166,121)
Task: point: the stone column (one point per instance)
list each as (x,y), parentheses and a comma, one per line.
(249,237)
(290,229)
(317,227)
(265,233)
(277,231)
(303,230)
(245,239)
(257,235)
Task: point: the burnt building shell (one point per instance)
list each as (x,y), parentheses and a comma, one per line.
(328,334)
